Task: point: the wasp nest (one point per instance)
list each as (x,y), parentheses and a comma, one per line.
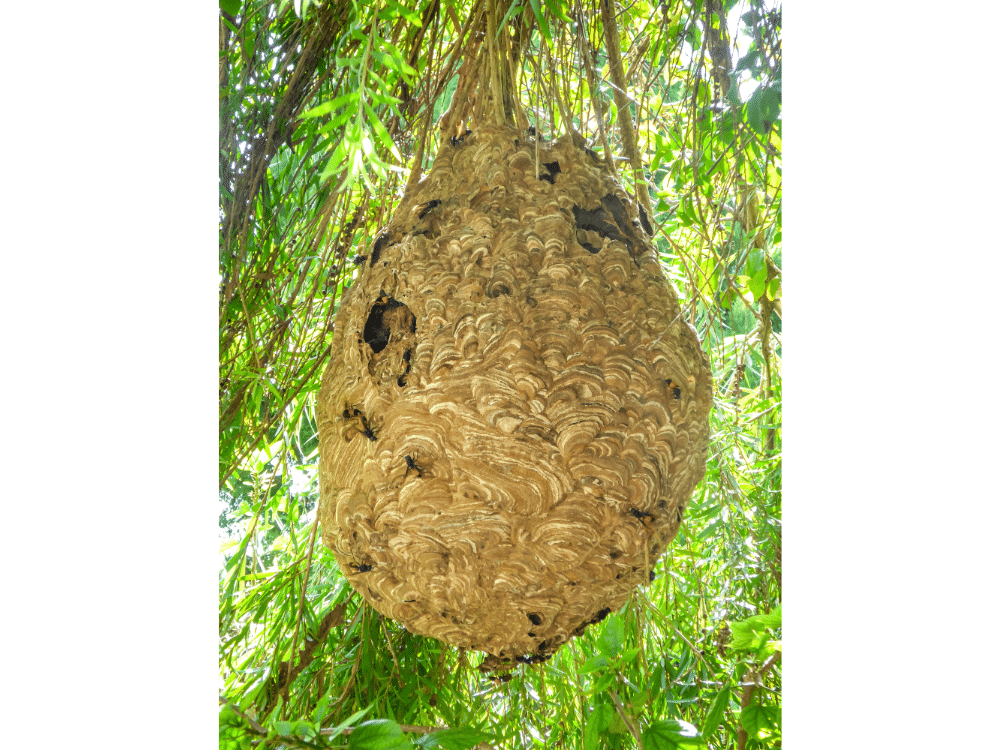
(515,412)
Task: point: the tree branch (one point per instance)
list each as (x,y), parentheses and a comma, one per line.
(748,690)
(286,674)
(612,41)
(629,723)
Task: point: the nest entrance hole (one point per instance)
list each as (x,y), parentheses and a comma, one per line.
(384,317)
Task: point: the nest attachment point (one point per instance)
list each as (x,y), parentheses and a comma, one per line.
(515,412)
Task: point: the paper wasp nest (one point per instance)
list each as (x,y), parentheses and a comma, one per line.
(515,412)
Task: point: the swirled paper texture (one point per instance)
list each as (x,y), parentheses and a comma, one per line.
(516,411)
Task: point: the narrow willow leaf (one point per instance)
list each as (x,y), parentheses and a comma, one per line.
(400,10)
(714,716)
(543,26)
(334,104)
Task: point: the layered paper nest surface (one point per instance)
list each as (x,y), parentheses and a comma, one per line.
(515,412)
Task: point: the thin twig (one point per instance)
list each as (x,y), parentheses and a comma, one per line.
(612,42)
(629,723)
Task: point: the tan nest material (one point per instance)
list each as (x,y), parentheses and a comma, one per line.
(515,412)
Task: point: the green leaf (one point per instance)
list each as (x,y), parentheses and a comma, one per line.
(555,8)
(232,7)
(667,734)
(334,104)
(378,734)
(750,61)
(752,719)
(514,8)
(763,109)
(400,10)
(593,664)
(617,724)
(337,730)
(543,26)
(757,283)
(460,738)
(597,724)
(750,634)
(612,636)
(772,288)
(714,716)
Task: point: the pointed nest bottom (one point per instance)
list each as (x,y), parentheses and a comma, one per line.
(515,412)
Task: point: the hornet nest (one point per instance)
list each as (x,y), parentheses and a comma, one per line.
(515,411)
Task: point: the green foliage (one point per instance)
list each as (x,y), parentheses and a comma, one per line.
(324,107)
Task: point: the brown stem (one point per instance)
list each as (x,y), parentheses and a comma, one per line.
(612,41)
(592,85)
(415,729)
(248,719)
(629,723)
(286,674)
(748,690)
(718,44)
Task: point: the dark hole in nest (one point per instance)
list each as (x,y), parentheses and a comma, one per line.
(553,168)
(535,618)
(377,329)
(600,616)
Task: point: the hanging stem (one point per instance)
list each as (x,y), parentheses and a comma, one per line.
(592,85)
(612,41)
(493,68)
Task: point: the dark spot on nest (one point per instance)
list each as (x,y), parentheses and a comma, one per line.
(362,568)
(600,616)
(553,170)
(364,429)
(535,619)
(426,208)
(411,464)
(380,242)
(499,289)
(644,220)
(456,140)
(640,514)
(652,576)
(677,392)
(359,259)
